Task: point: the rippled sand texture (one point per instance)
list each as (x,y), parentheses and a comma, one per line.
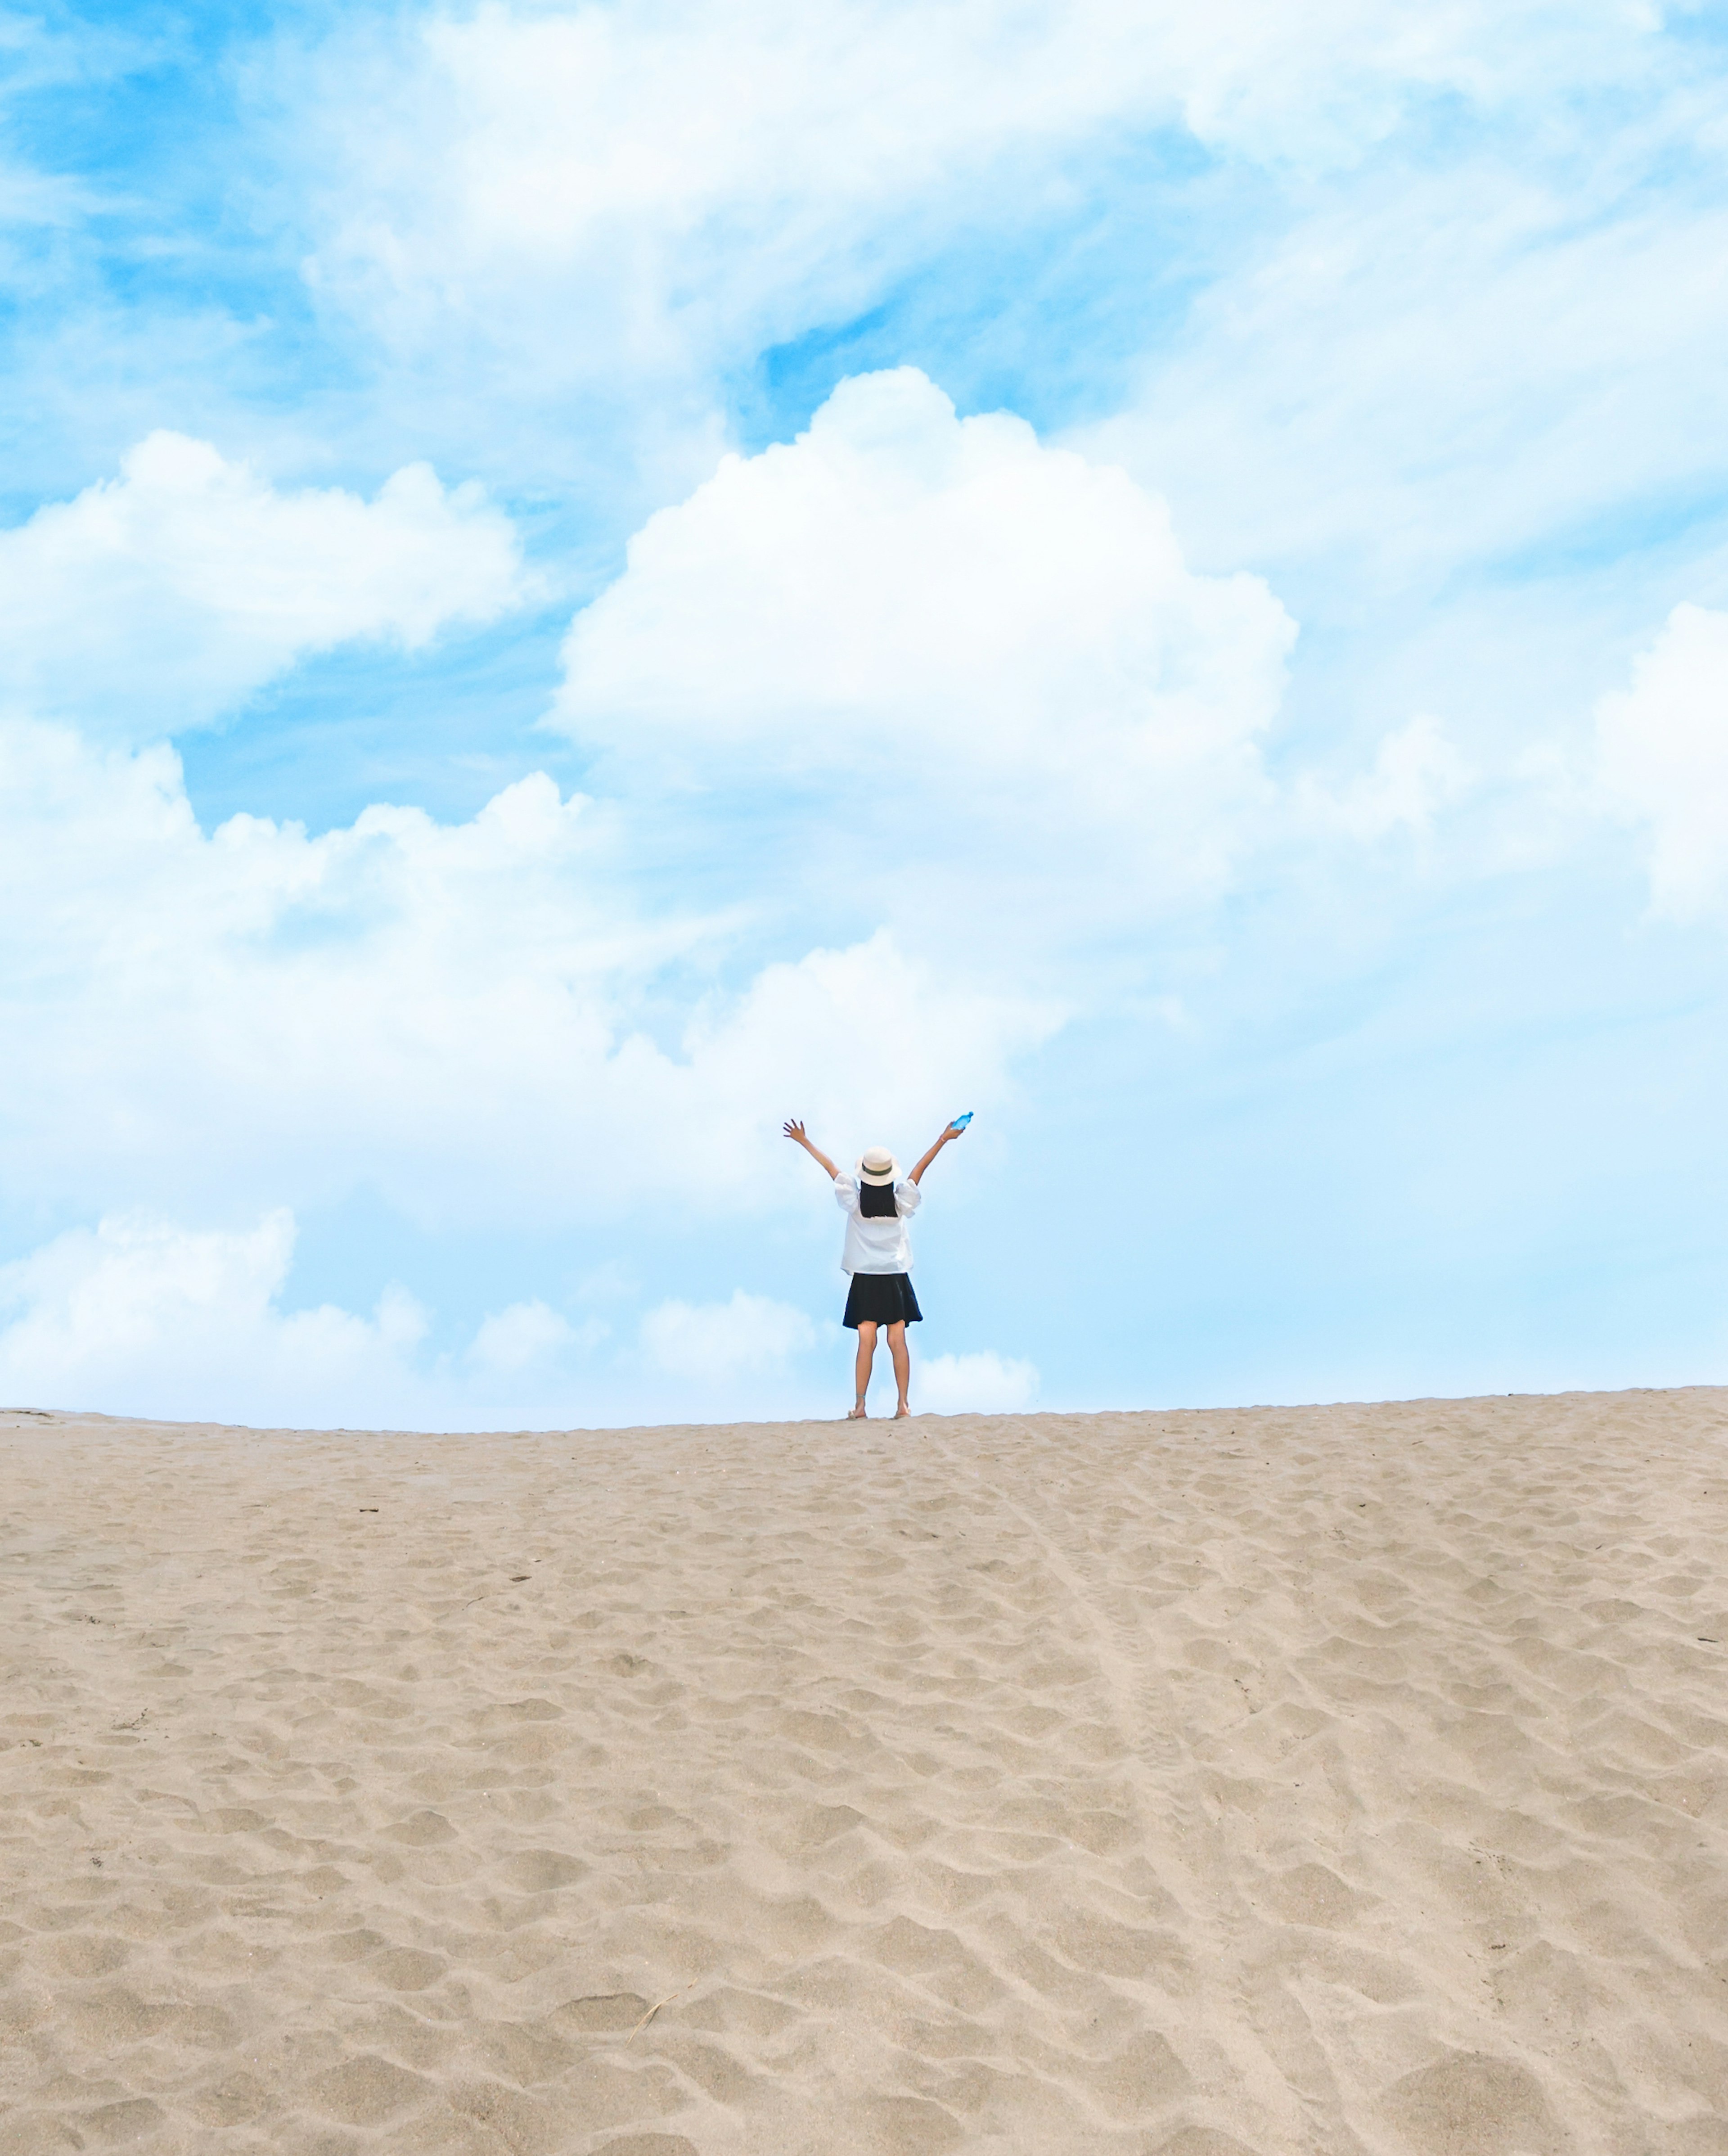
(1328,1781)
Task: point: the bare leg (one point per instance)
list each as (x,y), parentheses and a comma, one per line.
(866,1356)
(902,1365)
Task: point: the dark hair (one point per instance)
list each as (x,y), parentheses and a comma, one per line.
(875,1200)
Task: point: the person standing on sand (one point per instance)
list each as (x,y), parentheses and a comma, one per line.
(877,1200)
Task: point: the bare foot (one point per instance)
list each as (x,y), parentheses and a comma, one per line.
(902,1409)
(857,1414)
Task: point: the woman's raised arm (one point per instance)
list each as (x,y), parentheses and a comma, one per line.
(794,1132)
(948,1134)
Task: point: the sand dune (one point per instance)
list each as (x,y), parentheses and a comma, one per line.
(1334,1779)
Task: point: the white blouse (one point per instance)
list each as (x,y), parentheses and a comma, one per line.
(878,1245)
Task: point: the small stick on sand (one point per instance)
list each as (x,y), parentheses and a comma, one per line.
(659,2004)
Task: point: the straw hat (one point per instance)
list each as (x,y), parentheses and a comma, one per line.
(878,1166)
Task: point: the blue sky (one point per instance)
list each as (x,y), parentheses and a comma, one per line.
(575,581)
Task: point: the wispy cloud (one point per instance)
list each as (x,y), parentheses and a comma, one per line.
(629,204)
(1485,357)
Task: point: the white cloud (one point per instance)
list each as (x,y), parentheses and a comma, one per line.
(761,134)
(989,655)
(156,601)
(1416,773)
(455,1017)
(143,1316)
(529,1336)
(632,199)
(986,1384)
(721,1342)
(1662,749)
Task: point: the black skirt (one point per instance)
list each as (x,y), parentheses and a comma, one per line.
(881,1299)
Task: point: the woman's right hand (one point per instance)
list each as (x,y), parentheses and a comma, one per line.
(794,1132)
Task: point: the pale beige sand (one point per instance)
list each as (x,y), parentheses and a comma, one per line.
(1350,1779)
